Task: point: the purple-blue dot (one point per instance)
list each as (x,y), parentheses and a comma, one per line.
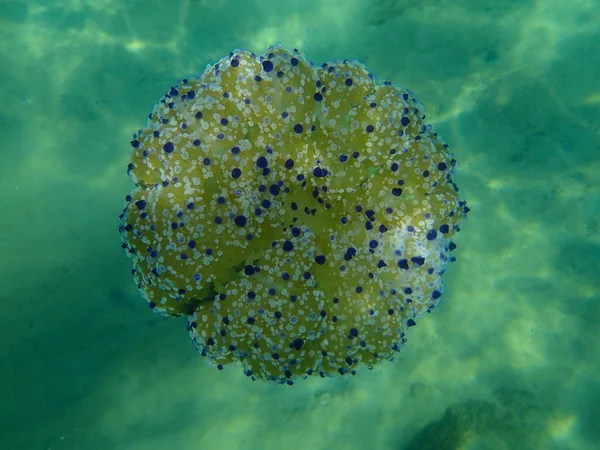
(262,162)
(267,66)
(240,221)
(418,260)
(298,128)
(168,147)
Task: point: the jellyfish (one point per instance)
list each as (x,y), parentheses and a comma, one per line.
(301,217)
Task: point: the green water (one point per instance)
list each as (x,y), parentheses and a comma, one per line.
(507,360)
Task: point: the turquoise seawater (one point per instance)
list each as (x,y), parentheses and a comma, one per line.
(509,359)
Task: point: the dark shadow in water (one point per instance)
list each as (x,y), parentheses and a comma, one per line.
(515,419)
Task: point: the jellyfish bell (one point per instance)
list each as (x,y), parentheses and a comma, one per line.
(300,216)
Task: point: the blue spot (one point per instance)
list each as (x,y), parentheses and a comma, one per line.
(403,264)
(240,221)
(262,162)
(297,344)
(431,235)
(267,66)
